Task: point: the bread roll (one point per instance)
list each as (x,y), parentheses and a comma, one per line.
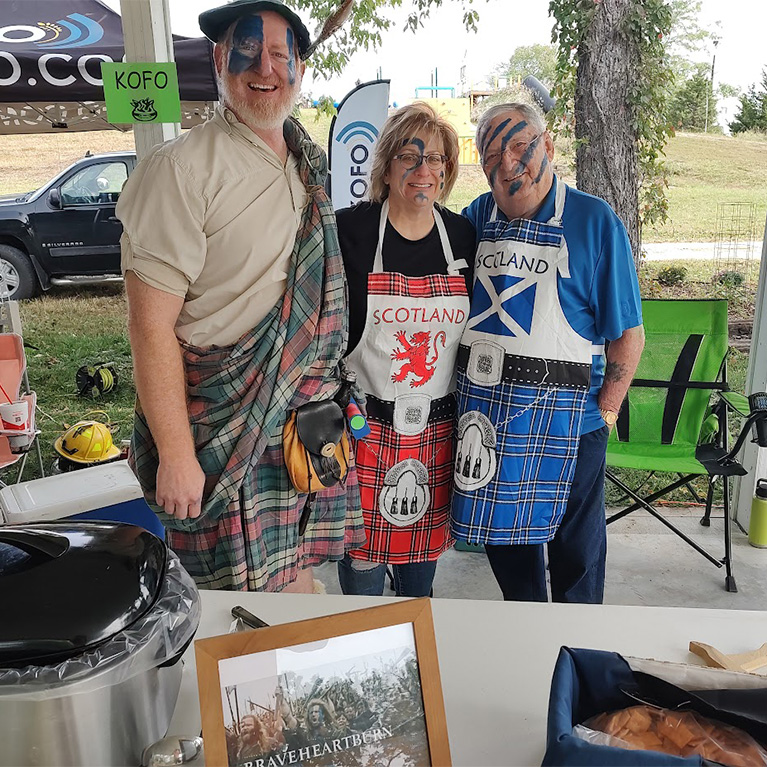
(680,733)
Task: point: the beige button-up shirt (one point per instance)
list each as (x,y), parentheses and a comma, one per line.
(212,217)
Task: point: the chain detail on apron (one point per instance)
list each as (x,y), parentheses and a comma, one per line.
(405,363)
(523,379)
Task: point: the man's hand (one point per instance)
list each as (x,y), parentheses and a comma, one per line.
(180,485)
(158,370)
(622,359)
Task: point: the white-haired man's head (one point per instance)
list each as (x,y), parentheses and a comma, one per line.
(259,70)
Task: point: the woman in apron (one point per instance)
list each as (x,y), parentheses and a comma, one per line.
(407,262)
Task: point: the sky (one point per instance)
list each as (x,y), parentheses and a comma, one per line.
(409,60)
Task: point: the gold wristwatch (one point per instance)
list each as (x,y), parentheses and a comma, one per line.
(608,416)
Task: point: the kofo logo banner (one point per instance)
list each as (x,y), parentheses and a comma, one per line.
(353,136)
(73,31)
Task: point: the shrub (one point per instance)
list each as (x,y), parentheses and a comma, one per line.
(671,275)
(324,106)
(729,278)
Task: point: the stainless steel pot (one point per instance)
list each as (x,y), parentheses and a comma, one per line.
(110,725)
(102,706)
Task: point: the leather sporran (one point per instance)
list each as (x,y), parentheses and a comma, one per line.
(316,446)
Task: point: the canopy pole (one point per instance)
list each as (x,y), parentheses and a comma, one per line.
(146,29)
(754,457)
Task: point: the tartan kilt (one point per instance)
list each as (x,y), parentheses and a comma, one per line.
(426,539)
(253,545)
(525,500)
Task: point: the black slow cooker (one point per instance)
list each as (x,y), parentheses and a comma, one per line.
(65,588)
(95,617)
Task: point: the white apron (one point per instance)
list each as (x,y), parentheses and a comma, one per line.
(405,363)
(523,380)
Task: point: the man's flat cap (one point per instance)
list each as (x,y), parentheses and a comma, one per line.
(216,21)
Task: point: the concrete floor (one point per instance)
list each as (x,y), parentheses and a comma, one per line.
(646,565)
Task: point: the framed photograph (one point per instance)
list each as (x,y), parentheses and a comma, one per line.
(357,689)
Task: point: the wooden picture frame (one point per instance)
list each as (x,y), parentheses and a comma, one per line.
(371,705)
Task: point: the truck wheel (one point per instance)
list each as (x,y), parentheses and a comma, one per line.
(17,275)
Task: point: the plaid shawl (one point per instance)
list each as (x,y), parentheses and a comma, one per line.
(238,398)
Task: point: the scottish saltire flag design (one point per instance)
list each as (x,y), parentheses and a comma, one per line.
(526,431)
(504,304)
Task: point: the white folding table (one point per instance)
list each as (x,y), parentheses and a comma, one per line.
(496,658)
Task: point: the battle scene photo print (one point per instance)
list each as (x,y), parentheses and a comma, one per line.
(353,700)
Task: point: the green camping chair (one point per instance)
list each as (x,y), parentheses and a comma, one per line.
(669,422)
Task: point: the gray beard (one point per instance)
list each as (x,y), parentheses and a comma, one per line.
(259,116)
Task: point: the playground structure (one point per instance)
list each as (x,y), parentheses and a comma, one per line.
(457,111)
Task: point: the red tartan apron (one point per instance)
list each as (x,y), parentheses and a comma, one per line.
(405,363)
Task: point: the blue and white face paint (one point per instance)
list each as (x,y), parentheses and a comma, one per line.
(517,164)
(261,76)
(247,45)
(291,45)
(415,185)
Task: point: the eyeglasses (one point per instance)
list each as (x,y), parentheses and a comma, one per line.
(411,160)
(517,149)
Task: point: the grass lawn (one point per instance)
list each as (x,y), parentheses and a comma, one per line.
(65,329)
(29,161)
(704,172)
(700,282)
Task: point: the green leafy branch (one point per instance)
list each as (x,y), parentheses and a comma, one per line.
(366,25)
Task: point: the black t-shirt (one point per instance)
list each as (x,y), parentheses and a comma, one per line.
(358,235)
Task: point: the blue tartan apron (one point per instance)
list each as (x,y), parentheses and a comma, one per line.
(523,378)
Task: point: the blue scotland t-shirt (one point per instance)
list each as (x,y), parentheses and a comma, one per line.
(601,298)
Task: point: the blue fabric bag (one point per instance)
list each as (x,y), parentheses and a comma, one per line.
(588,682)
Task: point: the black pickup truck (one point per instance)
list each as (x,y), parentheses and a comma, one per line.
(66,231)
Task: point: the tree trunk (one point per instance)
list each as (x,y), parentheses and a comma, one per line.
(606,157)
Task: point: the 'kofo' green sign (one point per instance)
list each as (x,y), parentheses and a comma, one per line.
(141,93)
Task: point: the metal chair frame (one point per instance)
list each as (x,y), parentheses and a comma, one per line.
(10,322)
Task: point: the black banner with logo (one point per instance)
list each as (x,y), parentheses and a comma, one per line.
(52,51)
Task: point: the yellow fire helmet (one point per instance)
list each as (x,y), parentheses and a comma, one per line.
(87,442)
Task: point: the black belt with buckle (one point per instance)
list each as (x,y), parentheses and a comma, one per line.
(536,370)
(383,410)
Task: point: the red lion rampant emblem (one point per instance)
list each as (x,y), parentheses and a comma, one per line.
(416,352)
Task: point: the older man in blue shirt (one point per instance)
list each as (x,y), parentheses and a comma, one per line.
(553,340)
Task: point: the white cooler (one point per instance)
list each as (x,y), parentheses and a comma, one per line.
(109,492)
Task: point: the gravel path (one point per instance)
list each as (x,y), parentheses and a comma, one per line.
(664,251)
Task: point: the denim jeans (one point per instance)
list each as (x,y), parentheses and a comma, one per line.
(410,580)
(578,550)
